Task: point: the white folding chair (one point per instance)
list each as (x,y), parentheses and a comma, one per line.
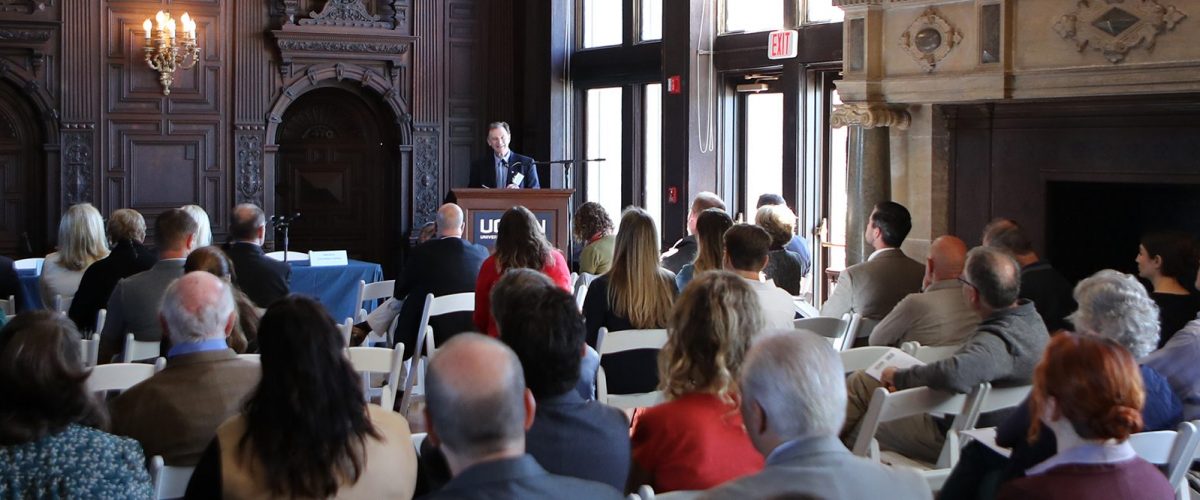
(804,309)
(929,354)
(417,439)
(580,296)
(101,316)
(31,263)
(839,331)
(988,400)
(373,292)
(121,376)
(415,370)
(170,481)
(861,358)
(372,360)
(62,304)
(290,255)
(89,350)
(1172,449)
(251,357)
(9,306)
(345,329)
(626,340)
(136,350)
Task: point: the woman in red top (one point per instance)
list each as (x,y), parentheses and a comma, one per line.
(696,440)
(520,243)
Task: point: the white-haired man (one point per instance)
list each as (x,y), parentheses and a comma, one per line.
(793,403)
(176,412)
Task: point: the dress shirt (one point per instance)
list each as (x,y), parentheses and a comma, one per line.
(202,346)
(1177,362)
(778,310)
(1088,454)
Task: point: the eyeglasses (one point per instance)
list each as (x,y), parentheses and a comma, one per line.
(968,283)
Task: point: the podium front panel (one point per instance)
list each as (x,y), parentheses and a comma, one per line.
(485,207)
(485,225)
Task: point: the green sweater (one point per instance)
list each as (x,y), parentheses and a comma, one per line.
(597,256)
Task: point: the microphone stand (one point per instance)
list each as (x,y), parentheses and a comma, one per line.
(284,223)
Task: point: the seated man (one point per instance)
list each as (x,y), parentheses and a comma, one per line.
(792,404)
(746,248)
(478,410)
(1003,350)
(683,252)
(134,303)
(1049,290)
(939,315)
(873,288)
(126,232)
(262,278)
(176,412)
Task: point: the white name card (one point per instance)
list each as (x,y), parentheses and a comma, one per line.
(325,258)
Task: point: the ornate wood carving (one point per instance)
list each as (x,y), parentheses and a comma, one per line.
(77,171)
(344,13)
(249,168)
(425,173)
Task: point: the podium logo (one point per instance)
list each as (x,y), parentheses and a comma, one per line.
(490,228)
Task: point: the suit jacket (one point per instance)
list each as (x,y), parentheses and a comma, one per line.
(176,412)
(583,439)
(127,259)
(873,288)
(264,279)
(938,316)
(441,267)
(483,172)
(10,283)
(681,254)
(822,467)
(133,307)
(520,478)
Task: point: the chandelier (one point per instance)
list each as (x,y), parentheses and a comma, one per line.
(165,52)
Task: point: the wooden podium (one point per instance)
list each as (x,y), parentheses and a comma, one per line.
(484,207)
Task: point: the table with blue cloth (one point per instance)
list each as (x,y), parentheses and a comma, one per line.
(335,286)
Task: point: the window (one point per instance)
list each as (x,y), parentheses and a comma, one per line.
(823,11)
(603,181)
(763,168)
(836,193)
(602,23)
(652,164)
(753,15)
(652,19)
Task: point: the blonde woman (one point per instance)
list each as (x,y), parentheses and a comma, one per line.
(635,294)
(711,225)
(204,229)
(81,241)
(696,439)
(785,267)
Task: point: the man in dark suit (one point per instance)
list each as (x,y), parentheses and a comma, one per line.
(683,252)
(873,288)
(477,410)
(126,232)
(1050,291)
(503,168)
(262,278)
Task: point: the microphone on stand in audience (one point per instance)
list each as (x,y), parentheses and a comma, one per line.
(284,223)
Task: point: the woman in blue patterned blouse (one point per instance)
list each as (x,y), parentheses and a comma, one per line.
(50,445)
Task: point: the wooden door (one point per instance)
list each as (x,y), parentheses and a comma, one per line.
(19,174)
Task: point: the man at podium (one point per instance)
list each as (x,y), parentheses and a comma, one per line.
(503,168)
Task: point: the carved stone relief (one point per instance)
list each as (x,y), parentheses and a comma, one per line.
(929,39)
(1116,27)
(345,13)
(869,115)
(77,171)
(249,168)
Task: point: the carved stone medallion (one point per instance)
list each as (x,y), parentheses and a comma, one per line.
(929,39)
(1116,27)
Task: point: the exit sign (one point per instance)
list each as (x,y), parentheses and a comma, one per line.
(782,44)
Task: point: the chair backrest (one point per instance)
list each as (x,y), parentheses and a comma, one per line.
(627,340)
(417,439)
(9,306)
(888,406)
(861,358)
(434,306)
(373,292)
(929,354)
(993,399)
(62,304)
(136,350)
(30,263)
(805,309)
(369,360)
(865,327)
(837,330)
(121,376)
(345,328)
(580,296)
(251,357)
(170,481)
(101,316)
(89,350)
(1174,449)
(290,255)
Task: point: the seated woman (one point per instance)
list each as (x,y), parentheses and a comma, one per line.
(1168,260)
(711,225)
(211,259)
(520,243)
(203,228)
(81,242)
(635,294)
(306,431)
(594,229)
(784,266)
(51,442)
(696,440)
(1087,391)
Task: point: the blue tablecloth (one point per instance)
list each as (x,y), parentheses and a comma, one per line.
(335,286)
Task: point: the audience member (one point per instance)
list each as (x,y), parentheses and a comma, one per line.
(80,243)
(10,283)
(939,315)
(264,279)
(126,232)
(306,431)
(176,412)
(520,243)
(874,287)
(798,243)
(696,439)
(1086,389)
(710,231)
(685,250)
(1113,305)
(636,294)
(211,259)
(134,302)
(793,401)
(594,229)
(746,254)
(51,440)
(428,232)
(478,411)
(785,267)
(1177,362)
(1045,286)
(1002,351)
(1168,260)
(203,227)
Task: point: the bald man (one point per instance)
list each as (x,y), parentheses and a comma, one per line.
(176,412)
(264,279)
(939,315)
(478,410)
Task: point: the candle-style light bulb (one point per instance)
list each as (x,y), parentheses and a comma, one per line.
(147,27)
(161,17)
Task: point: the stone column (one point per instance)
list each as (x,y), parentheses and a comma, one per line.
(869,174)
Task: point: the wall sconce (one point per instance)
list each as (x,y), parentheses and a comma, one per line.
(164,52)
